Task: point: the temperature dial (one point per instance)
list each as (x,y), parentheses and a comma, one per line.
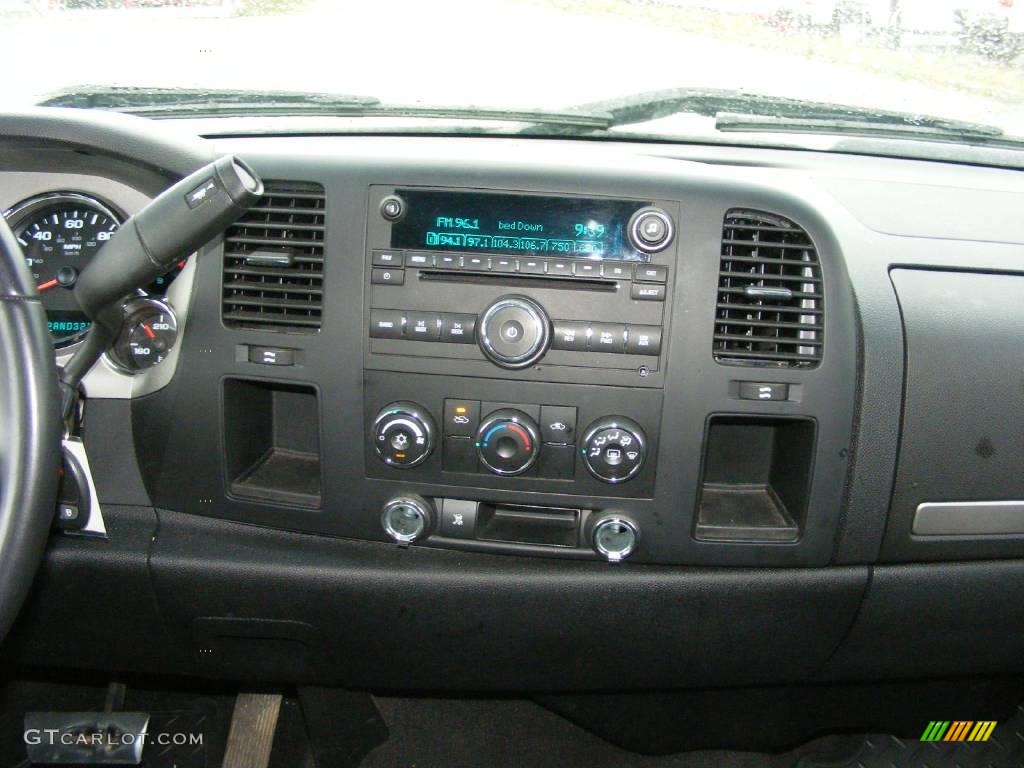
(147,336)
(508,442)
(403,434)
(614,449)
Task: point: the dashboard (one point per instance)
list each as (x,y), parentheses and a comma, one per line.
(738,388)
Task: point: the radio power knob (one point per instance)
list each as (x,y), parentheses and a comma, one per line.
(514,332)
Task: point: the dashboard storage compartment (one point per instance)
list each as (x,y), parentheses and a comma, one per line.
(516,524)
(756,479)
(272,442)
(959,490)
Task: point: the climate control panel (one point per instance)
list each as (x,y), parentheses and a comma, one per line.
(516,436)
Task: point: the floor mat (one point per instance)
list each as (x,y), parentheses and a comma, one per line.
(510,733)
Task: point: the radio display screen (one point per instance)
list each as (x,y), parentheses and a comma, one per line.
(527,225)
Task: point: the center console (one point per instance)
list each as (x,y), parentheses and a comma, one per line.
(486,312)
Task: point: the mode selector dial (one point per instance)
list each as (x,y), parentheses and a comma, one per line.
(403,434)
(514,332)
(614,449)
(508,442)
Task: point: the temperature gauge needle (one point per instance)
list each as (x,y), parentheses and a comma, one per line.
(149,331)
(47,285)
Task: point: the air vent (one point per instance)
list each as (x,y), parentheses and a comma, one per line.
(770,308)
(274,261)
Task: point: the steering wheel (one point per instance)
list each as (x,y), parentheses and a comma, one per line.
(30,429)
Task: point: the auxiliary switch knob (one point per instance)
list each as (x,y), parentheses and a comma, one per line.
(508,442)
(614,537)
(407,518)
(403,434)
(514,332)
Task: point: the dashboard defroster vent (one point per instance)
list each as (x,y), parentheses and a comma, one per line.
(274,260)
(770,308)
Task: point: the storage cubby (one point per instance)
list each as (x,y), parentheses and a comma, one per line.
(756,477)
(272,442)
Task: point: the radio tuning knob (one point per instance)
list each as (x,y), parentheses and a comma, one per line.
(403,434)
(514,332)
(614,449)
(650,230)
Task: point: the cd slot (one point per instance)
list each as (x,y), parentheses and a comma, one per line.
(520,280)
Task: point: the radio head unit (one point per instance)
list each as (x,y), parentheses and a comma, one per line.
(526,225)
(531,285)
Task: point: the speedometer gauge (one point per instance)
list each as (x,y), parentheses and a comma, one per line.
(60,233)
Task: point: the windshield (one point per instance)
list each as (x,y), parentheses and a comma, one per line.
(931,72)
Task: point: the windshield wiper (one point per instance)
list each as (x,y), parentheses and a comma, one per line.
(740,111)
(201,102)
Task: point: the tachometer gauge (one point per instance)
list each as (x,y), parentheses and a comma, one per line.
(59,234)
(147,337)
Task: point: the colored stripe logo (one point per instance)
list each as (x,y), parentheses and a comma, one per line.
(958,730)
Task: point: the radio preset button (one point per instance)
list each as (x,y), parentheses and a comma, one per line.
(386,276)
(448,261)
(617,271)
(607,338)
(479,263)
(560,268)
(643,340)
(532,266)
(647,292)
(457,328)
(420,259)
(500,264)
(587,269)
(570,335)
(385,324)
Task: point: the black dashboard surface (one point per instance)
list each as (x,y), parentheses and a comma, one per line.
(690,607)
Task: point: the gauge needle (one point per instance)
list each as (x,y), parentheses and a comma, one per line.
(149,331)
(47,285)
